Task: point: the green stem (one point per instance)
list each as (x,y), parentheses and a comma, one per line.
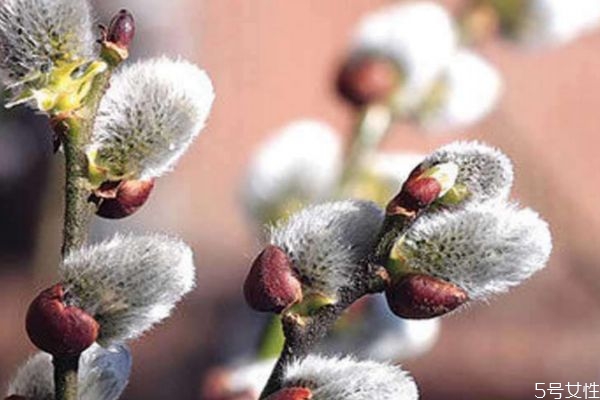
(65,377)
(75,131)
(272,339)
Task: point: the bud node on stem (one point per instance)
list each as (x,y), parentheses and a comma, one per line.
(58,328)
(419,296)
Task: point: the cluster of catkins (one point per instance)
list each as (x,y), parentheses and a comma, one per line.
(462,238)
(115,291)
(465,240)
(415,59)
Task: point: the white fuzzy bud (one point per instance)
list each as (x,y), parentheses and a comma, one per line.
(419,36)
(484,249)
(37,34)
(298,165)
(470,89)
(128,283)
(348,379)
(553,22)
(34,380)
(149,117)
(103,375)
(327,242)
(484,171)
(249,377)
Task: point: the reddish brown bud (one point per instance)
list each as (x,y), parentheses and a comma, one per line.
(295,393)
(57,328)
(271,284)
(367,79)
(121,29)
(121,199)
(416,194)
(15,397)
(423,187)
(419,296)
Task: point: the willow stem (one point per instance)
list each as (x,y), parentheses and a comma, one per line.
(65,377)
(75,131)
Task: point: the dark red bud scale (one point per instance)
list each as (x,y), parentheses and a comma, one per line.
(416,194)
(419,296)
(271,284)
(57,328)
(15,397)
(121,29)
(295,393)
(121,199)
(367,80)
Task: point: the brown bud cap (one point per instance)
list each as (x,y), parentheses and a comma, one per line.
(367,80)
(271,284)
(57,328)
(415,195)
(121,199)
(423,187)
(121,29)
(295,393)
(419,296)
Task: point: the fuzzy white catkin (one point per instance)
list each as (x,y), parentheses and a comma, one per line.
(472,88)
(250,376)
(149,116)
(484,249)
(35,34)
(348,379)
(485,171)
(327,242)
(103,375)
(299,164)
(419,35)
(35,379)
(553,22)
(129,283)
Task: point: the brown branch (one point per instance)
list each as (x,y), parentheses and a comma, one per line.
(75,132)
(65,377)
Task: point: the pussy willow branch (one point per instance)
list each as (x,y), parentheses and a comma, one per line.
(75,131)
(370,130)
(65,377)
(301,338)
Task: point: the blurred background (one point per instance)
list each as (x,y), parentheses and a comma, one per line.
(273,62)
